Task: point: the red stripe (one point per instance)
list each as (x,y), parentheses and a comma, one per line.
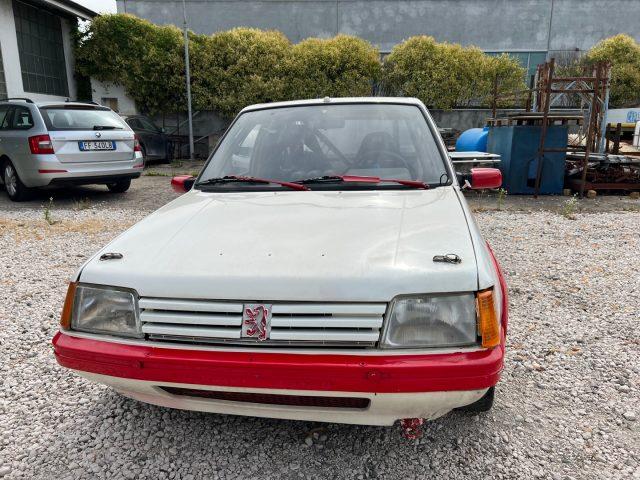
(52,171)
(348,373)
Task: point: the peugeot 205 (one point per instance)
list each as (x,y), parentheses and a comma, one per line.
(323,266)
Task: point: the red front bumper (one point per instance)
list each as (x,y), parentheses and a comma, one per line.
(327,372)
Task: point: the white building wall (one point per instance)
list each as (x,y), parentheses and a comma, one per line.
(99,90)
(11,58)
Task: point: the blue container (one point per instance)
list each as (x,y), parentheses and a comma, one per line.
(518,150)
(473,140)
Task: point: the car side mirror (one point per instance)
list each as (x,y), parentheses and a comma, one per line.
(182,183)
(481,178)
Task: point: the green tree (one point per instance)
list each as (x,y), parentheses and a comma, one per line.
(144,58)
(446,75)
(342,66)
(239,67)
(623,53)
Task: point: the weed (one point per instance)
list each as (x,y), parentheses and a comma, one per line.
(176,164)
(82,204)
(47,212)
(569,208)
(502,193)
(156,173)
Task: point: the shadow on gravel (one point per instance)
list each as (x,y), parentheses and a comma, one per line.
(152,437)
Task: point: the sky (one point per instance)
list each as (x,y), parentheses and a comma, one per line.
(100,6)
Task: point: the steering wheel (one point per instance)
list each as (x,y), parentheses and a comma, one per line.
(373,159)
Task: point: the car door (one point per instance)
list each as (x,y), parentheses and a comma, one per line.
(155,143)
(5,111)
(17,127)
(143,136)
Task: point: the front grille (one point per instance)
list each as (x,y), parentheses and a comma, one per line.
(292,324)
(271,399)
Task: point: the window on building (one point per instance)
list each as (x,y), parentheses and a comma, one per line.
(528,60)
(41,50)
(110,102)
(3,83)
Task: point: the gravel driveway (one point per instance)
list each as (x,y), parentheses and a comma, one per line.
(567,406)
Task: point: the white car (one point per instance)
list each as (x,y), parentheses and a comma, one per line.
(323,266)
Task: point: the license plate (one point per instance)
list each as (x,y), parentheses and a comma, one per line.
(97,145)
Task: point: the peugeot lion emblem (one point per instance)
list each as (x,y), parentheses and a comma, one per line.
(256,321)
(98,134)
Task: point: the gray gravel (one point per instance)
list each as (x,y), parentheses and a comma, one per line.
(567,406)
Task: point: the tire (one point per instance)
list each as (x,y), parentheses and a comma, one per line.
(16,190)
(482,405)
(120,186)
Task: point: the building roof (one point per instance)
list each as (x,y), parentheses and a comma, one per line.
(69,7)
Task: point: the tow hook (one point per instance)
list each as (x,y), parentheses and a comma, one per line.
(411,428)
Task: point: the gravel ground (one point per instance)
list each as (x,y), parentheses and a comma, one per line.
(567,406)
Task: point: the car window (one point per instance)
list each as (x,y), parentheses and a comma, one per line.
(4,116)
(289,144)
(149,125)
(73,117)
(22,119)
(134,123)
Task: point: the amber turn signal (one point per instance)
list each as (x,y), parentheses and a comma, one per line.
(488,322)
(65,318)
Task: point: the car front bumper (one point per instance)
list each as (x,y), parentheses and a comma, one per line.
(397,386)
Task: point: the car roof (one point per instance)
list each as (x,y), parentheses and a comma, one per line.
(25,101)
(337,101)
(67,104)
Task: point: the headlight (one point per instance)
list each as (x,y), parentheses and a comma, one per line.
(431,321)
(110,310)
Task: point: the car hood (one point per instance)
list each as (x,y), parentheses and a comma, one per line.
(295,246)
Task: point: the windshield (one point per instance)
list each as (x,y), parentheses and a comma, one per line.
(296,143)
(81,118)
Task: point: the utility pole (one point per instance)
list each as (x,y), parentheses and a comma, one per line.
(188,75)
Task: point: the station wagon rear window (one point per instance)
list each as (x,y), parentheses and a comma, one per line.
(81,118)
(390,141)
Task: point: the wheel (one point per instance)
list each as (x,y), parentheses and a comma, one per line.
(120,186)
(482,405)
(16,190)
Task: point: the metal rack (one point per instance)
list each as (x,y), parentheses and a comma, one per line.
(592,90)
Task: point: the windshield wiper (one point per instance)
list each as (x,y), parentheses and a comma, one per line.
(361,179)
(106,127)
(240,179)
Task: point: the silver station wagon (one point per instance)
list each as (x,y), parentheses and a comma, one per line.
(65,143)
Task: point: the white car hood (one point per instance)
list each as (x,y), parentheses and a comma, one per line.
(295,246)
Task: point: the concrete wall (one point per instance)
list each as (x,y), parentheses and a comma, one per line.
(11,58)
(99,90)
(493,25)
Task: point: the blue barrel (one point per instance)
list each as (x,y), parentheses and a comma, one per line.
(473,140)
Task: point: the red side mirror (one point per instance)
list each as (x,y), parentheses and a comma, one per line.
(182,183)
(482,178)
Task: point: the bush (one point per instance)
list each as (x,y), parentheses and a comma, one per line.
(236,68)
(145,58)
(446,75)
(623,52)
(239,67)
(342,66)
